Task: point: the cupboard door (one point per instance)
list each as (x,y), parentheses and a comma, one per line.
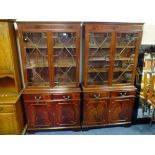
(35,58)
(39,115)
(99,49)
(8,124)
(67,113)
(94,112)
(65,58)
(125,56)
(120,110)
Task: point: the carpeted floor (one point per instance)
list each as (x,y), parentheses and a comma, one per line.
(142,129)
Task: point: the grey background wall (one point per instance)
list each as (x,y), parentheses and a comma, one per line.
(84,10)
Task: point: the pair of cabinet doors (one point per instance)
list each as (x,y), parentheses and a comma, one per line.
(51,53)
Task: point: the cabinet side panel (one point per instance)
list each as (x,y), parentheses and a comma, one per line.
(15,56)
(5,50)
(20,116)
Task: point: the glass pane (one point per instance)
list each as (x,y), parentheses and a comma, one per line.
(64,52)
(36,58)
(124,57)
(98,58)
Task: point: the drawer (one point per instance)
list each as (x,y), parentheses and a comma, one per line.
(37,97)
(66,96)
(96,95)
(6,108)
(122,93)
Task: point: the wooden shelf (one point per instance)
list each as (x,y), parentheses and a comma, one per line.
(37,66)
(46,84)
(124,59)
(32,46)
(61,46)
(65,64)
(125,46)
(6,91)
(122,70)
(59,84)
(98,59)
(98,83)
(4,74)
(91,46)
(97,70)
(149,59)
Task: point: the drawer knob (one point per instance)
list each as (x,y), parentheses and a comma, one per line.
(1,109)
(37,98)
(66,97)
(97,96)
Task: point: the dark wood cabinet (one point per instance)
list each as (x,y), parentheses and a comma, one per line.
(50,53)
(51,113)
(110,60)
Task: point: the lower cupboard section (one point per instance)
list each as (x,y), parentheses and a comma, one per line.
(100,112)
(53,114)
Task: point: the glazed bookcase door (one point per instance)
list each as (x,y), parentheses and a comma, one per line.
(65,58)
(98,57)
(125,53)
(36,58)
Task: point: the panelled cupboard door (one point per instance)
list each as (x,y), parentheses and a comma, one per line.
(67,113)
(8,124)
(95,112)
(39,115)
(120,110)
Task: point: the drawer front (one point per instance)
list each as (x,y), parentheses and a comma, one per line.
(66,96)
(122,93)
(6,108)
(96,95)
(37,97)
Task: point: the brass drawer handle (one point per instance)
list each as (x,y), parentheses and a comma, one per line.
(123,94)
(97,96)
(66,97)
(38,98)
(1,109)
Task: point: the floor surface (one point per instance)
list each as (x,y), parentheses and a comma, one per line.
(142,129)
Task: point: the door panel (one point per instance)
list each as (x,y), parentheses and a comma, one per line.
(39,115)
(120,110)
(94,112)
(8,124)
(68,113)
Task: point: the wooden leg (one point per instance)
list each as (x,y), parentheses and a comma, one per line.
(152,116)
(143,108)
(149,107)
